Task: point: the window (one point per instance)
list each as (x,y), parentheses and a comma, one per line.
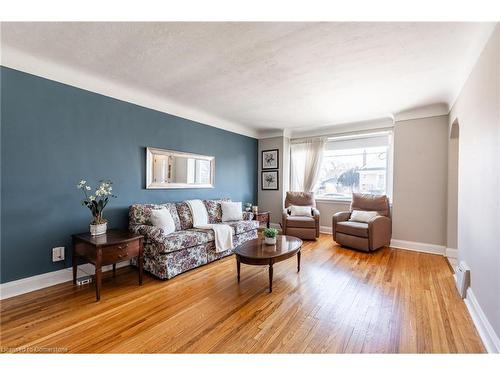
(355,164)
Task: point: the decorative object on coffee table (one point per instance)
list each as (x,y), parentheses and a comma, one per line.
(256,252)
(248,207)
(270,159)
(110,248)
(270,236)
(269,180)
(96,202)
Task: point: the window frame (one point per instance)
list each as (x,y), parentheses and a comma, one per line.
(389,165)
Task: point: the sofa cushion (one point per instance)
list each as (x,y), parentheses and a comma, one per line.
(140,214)
(166,243)
(163,219)
(242,226)
(214,209)
(185,238)
(353,228)
(185,215)
(300,222)
(231,211)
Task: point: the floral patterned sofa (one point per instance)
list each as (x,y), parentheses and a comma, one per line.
(167,255)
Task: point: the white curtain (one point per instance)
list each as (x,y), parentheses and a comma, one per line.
(306,156)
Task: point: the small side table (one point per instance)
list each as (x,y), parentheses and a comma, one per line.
(109,248)
(263,217)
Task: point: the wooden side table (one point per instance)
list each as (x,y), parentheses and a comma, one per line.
(113,247)
(263,217)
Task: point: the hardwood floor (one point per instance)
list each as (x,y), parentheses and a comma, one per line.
(342,301)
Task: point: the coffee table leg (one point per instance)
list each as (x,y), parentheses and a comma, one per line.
(298,261)
(270,276)
(238,266)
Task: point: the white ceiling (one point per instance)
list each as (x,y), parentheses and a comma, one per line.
(261,76)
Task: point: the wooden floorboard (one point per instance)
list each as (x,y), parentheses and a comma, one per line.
(342,301)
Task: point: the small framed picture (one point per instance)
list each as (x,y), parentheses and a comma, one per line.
(270,159)
(269,180)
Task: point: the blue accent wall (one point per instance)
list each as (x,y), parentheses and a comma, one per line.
(53,135)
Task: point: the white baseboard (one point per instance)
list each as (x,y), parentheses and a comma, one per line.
(29,284)
(408,245)
(419,246)
(325,229)
(451,253)
(488,335)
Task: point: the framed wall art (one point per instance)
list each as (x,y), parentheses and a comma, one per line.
(270,159)
(269,180)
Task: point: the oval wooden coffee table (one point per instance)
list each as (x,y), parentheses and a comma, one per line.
(256,252)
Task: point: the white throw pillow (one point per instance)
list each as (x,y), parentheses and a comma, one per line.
(231,211)
(301,210)
(362,216)
(163,219)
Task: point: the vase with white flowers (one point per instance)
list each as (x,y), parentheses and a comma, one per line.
(96,202)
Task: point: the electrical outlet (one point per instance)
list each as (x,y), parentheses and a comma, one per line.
(57,254)
(84,280)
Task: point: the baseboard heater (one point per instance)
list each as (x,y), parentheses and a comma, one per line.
(463,278)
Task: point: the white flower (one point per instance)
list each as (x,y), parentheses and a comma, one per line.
(92,198)
(88,188)
(83,182)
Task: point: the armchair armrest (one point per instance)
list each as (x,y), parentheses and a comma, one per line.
(341,216)
(337,218)
(284,216)
(379,232)
(315,213)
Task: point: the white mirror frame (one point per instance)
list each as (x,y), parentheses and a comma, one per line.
(150,152)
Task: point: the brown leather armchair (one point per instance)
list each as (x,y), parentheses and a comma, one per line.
(304,227)
(364,236)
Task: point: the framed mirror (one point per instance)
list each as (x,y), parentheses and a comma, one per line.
(168,169)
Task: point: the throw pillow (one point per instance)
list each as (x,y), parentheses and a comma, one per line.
(300,210)
(362,216)
(163,219)
(231,211)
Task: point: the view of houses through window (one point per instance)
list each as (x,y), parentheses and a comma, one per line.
(360,165)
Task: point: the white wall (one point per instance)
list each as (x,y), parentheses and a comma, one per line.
(478,112)
(420,180)
(452,214)
(328,209)
(273,200)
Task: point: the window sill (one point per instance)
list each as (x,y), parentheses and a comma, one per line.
(342,201)
(333,200)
